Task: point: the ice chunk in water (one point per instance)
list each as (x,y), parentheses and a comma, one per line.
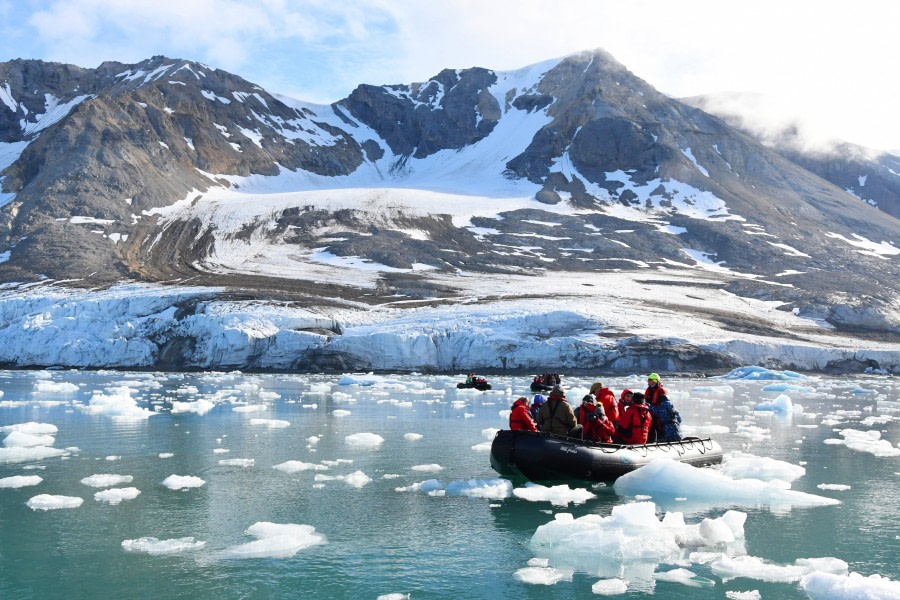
(117,495)
(830,586)
(19,481)
(276,540)
(154,546)
(49,502)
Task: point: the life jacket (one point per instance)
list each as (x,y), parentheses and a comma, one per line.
(520,417)
(652,393)
(634,424)
(607,400)
(596,429)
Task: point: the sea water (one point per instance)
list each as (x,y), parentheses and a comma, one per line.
(248,486)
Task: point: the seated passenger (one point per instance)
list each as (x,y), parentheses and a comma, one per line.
(520,417)
(537,402)
(624,400)
(634,423)
(607,399)
(666,420)
(557,417)
(595,426)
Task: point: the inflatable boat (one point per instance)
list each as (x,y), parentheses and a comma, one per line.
(547,457)
(478,384)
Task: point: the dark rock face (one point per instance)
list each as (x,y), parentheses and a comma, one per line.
(451,110)
(105,145)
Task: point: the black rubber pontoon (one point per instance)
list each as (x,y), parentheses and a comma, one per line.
(547,457)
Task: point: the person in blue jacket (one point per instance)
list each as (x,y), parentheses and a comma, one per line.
(536,407)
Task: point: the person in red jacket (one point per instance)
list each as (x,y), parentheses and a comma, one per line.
(607,399)
(596,427)
(634,424)
(520,417)
(654,389)
(624,400)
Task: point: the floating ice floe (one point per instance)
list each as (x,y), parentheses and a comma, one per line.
(557,495)
(789,387)
(865,441)
(831,586)
(32,428)
(609,587)
(781,404)
(271,423)
(340,413)
(21,439)
(838,487)
(106,480)
(365,440)
(156,547)
(118,404)
(20,481)
(237,462)
(116,495)
(740,465)
(250,408)
(494,489)
(50,502)
(200,407)
(297,466)
(357,479)
(182,482)
(752,567)
(412,437)
(275,540)
(664,478)
(543,575)
(430,468)
(629,542)
(755,373)
(43,386)
(684,577)
(18,454)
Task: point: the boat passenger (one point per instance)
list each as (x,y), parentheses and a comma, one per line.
(624,400)
(607,399)
(635,422)
(520,417)
(596,427)
(536,404)
(557,417)
(666,420)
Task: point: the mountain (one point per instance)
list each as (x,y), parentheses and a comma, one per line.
(477,186)
(870,175)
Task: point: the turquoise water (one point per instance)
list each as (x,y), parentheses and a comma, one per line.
(379,540)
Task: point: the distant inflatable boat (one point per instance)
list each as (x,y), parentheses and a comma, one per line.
(478,385)
(546,457)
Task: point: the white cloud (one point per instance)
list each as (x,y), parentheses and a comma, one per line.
(816,59)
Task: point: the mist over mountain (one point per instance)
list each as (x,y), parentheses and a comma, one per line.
(476,186)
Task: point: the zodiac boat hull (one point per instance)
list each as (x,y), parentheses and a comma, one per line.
(546,457)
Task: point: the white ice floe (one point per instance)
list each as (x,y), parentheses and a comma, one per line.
(865,441)
(543,575)
(557,495)
(237,462)
(831,586)
(17,455)
(117,495)
(156,547)
(494,489)
(182,482)
(297,466)
(747,595)
(740,465)
(364,440)
(609,587)
(32,428)
(838,487)
(275,540)
(250,408)
(340,413)
(106,480)
(200,407)
(666,478)
(50,502)
(20,481)
(781,404)
(752,567)
(754,373)
(357,479)
(21,439)
(430,468)
(631,539)
(271,423)
(684,577)
(412,437)
(118,404)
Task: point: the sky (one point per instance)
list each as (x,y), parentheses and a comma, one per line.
(831,63)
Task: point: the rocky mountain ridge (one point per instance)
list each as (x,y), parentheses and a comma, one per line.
(113,173)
